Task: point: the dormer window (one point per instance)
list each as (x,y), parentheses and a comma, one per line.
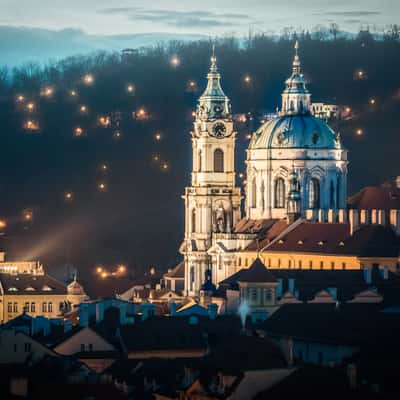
(280,241)
(300,242)
(46,288)
(12,289)
(30,289)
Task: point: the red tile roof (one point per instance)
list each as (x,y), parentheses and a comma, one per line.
(385,197)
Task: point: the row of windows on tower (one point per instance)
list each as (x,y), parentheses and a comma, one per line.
(314,200)
(31,307)
(218,164)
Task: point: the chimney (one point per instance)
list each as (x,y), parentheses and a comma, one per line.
(365,217)
(333,292)
(212,309)
(291,285)
(67,325)
(342,216)
(122,313)
(99,311)
(279,288)
(384,271)
(367,275)
(83,315)
(354,221)
(395,221)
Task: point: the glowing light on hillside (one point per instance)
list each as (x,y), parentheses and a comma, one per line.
(20,98)
(121,268)
(348,110)
(31,125)
(359,132)
(241,175)
(165,166)
(247,79)
(248,136)
(175,61)
(27,215)
(102,187)
(68,196)
(83,108)
(242,118)
(78,131)
(99,269)
(3,224)
(73,93)
(30,106)
(130,88)
(193,113)
(372,101)
(157,136)
(88,79)
(47,91)
(104,121)
(117,135)
(156,157)
(104,274)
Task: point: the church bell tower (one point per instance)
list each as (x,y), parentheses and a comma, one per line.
(212,202)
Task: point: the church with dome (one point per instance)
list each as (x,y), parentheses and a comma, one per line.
(294,214)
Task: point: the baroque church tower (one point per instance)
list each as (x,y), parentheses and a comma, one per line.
(212,202)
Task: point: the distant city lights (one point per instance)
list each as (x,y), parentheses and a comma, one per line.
(73,93)
(117,135)
(83,108)
(68,196)
(31,125)
(247,79)
(359,132)
(104,121)
(157,136)
(27,215)
(104,167)
(118,270)
(372,101)
(165,166)
(156,157)
(20,98)
(130,88)
(3,224)
(30,106)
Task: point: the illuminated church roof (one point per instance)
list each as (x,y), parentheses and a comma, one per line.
(295,127)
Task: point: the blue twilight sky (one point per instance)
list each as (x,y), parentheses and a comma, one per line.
(196,17)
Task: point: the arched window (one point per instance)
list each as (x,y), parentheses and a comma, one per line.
(199,162)
(314,195)
(332,196)
(291,105)
(218,160)
(193,220)
(280,193)
(253,193)
(191,277)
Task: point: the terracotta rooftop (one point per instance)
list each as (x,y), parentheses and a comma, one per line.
(385,197)
(335,238)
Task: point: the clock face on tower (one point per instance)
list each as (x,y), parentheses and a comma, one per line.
(219,130)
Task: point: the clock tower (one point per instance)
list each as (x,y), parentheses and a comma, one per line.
(212,202)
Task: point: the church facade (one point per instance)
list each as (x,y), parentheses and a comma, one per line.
(296,214)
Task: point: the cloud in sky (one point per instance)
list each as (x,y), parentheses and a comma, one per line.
(182,19)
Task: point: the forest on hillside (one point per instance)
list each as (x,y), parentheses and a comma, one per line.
(96,150)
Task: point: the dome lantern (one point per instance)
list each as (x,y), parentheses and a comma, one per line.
(296,98)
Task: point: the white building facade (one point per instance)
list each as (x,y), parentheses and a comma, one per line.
(295,141)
